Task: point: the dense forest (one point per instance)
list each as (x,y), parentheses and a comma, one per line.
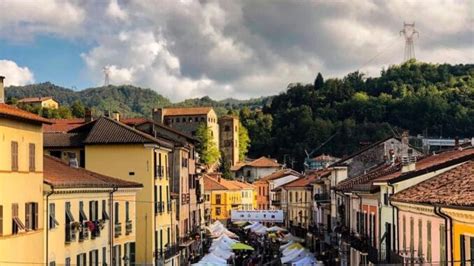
(335,116)
(339,116)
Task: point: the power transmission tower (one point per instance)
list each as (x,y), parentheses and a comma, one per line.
(409,32)
(106,71)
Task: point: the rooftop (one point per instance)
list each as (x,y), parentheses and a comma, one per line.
(35,99)
(279,174)
(63,125)
(307,179)
(60,175)
(215,182)
(176,111)
(19,114)
(262,162)
(452,188)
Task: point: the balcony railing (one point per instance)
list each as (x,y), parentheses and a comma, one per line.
(83,232)
(159,207)
(321,197)
(276,202)
(94,227)
(159,171)
(128,227)
(71,230)
(362,244)
(118,230)
(171,251)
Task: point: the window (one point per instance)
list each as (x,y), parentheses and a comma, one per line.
(52,263)
(291,196)
(32,157)
(94,257)
(127,256)
(52,216)
(161,199)
(218,199)
(1,220)
(412,236)
(127,211)
(104,256)
(93,210)
(420,238)
(82,214)
(116,213)
(226,128)
(218,211)
(14,153)
(196,119)
(81,259)
(183,119)
(105,216)
(17,224)
(428,239)
(116,256)
(404,235)
(442,244)
(67,262)
(31,216)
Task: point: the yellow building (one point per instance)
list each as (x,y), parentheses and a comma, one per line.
(44,102)
(115,149)
(90,217)
(222,196)
(21,186)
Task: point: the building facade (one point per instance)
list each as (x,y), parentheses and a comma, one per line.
(229,138)
(90,218)
(21,188)
(43,102)
(255,169)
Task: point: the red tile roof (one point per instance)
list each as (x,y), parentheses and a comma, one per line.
(379,170)
(177,111)
(431,161)
(307,179)
(263,162)
(134,121)
(35,99)
(279,174)
(215,182)
(19,114)
(60,175)
(452,188)
(63,125)
(212,184)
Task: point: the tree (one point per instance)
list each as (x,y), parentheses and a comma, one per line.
(224,168)
(319,81)
(78,109)
(244,142)
(206,147)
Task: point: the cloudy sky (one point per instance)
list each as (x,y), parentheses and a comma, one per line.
(223,49)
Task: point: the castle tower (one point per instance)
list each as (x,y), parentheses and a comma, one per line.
(229,138)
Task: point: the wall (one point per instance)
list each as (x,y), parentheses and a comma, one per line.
(463,224)
(299,200)
(229,139)
(20,187)
(134,162)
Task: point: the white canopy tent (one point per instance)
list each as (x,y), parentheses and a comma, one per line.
(295,256)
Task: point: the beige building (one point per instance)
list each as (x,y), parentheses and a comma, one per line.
(44,102)
(21,186)
(91,218)
(188,119)
(229,138)
(254,170)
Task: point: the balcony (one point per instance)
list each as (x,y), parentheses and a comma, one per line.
(159,171)
(118,230)
(83,232)
(159,207)
(322,198)
(362,244)
(128,227)
(276,202)
(94,227)
(171,251)
(71,231)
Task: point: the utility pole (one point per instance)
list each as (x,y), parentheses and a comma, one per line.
(409,32)
(106,71)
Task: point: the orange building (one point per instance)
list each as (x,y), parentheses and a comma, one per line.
(265,185)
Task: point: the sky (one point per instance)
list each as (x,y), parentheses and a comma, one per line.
(236,48)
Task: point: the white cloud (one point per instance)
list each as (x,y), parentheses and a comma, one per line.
(24,19)
(115,11)
(243,49)
(14,74)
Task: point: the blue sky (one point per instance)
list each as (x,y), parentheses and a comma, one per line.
(50,59)
(238,48)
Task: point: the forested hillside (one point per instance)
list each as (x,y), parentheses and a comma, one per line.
(435,100)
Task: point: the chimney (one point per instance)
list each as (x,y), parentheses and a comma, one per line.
(107,113)
(88,115)
(2,90)
(456,142)
(116,116)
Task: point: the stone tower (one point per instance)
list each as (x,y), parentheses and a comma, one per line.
(229,138)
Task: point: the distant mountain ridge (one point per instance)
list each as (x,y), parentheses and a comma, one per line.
(127,99)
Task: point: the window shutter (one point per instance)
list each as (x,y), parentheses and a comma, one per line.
(1,220)
(32,157)
(14,154)
(35,211)
(27,216)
